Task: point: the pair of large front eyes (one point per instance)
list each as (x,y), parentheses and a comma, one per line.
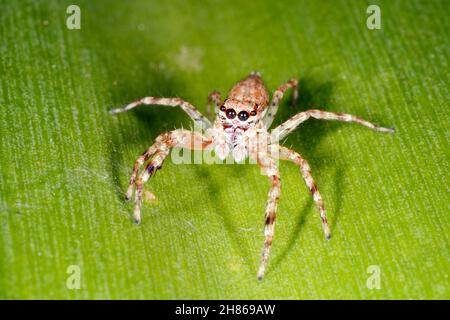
(231,113)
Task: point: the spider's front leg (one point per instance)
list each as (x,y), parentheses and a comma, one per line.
(284,153)
(139,162)
(160,150)
(270,169)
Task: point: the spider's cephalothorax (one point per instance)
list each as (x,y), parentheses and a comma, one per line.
(245,104)
(239,118)
(242,130)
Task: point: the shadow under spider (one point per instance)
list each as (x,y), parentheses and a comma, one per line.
(230,227)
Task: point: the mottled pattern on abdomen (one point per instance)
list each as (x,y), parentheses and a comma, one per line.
(250,90)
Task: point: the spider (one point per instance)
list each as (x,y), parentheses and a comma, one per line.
(240,130)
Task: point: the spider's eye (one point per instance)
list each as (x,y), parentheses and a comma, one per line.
(253,113)
(231,114)
(222,108)
(243,115)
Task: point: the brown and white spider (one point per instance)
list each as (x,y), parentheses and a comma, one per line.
(240,130)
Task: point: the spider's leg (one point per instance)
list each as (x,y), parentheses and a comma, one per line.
(270,169)
(289,125)
(284,153)
(213,98)
(198,118)
(162,146)
(151,167)
(139,162)
(277,96)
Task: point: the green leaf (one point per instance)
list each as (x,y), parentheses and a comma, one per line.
(65,161)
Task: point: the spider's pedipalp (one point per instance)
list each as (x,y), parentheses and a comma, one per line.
(291,124)
(195,115)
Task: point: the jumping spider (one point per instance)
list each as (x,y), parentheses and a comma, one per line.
(244,117)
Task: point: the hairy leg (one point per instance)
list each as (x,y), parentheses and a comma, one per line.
(198,118)
(270,169)
(284,153)
(288,126)
(161,149)
(139,162)
(277,96)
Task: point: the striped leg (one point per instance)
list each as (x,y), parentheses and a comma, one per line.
(288,154)
(213,98)
(277,96)
(150,169)
(288,126)
(198,118)
(137,165)
(270,169)
(162,146)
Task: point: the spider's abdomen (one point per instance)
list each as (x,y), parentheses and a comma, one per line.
(251,90)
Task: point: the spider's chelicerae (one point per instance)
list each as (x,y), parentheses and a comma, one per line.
(240,129)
